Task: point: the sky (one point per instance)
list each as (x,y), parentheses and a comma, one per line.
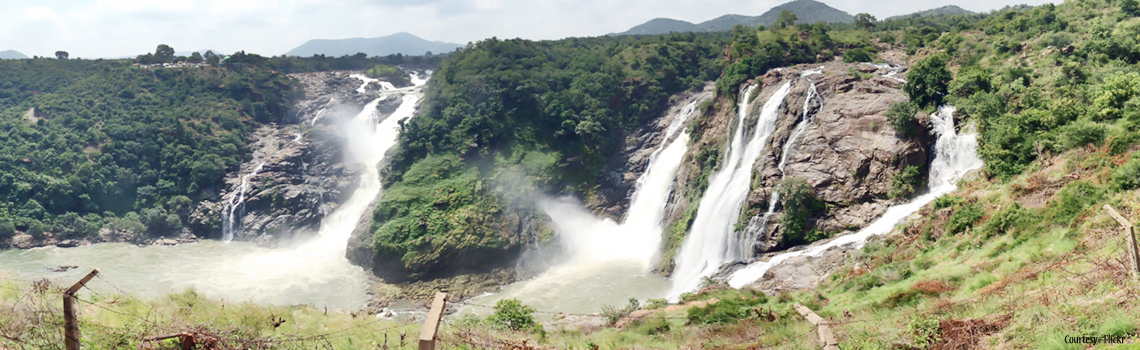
(126,28)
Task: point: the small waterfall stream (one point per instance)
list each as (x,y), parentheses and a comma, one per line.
(954,155)
(757,227)
(710,242)
(235,208)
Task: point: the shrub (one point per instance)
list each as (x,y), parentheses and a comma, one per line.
(901,116)
(946,202)
(512,314)
(656,303)
(799,201)
(856,55)
(926,82)
(1081,133)
(7,229)
(964,218)
(614,313)
(728,310)
(1127,176)
(1013,220)
(1073,199)
(905,182)
(925,331)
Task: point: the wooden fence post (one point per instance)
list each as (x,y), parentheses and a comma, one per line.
(1130,234)
(431,324)
(70,322)
(825,335)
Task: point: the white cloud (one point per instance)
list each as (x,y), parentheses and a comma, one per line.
(117,28)
(39,13)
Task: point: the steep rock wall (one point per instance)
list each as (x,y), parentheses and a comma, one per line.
(848,154)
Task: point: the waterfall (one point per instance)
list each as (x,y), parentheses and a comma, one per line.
(708,244)
(608,262)
(237,200)
(758,226)
(384,86)
(954,155)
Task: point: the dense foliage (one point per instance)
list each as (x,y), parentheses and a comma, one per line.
(112,144)
(516,115)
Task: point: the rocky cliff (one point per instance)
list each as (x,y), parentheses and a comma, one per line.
(295,174)
(845,150)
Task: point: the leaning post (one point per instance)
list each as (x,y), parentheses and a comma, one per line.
(431,325)
(1130,234)
(70,322)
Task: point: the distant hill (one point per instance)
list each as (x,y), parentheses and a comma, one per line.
(11,55)
(807,11)
(402,43)
(944,10)
(662,26)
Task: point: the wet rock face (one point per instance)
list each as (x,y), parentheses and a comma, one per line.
(301,173)
(617,183)
(849,153)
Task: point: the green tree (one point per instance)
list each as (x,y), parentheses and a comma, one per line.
(1130,7)
(61,55)
(164,53)
(799,201)
(195,58)
(901,117)
(512,314)
(865,21)
(786,19)
(926,82)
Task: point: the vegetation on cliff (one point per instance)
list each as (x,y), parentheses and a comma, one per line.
(502,117)
(93,143)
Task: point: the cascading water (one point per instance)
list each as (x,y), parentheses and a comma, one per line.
(758,226)
(709,243)
(607,262)
(231,212)
(310,272)
(384,86)
(954,155)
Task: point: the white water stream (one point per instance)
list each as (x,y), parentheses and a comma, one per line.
(710,241)
(236,206)
(607,262)
(954,155)
(314,271)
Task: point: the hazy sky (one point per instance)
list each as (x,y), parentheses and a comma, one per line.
(116,28)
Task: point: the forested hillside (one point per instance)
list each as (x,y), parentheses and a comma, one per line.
(505,115)
(94,143)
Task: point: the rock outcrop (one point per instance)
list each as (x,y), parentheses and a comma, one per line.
(296,174)
(848,152)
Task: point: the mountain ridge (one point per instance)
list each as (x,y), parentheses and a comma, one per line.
(807,11)
(12,55)
(399,43)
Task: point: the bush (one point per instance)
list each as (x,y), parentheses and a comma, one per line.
(1073,199)
(1081,133)
(1127,176)
(656,303)
(513,315)
(613,313)
(905,182)
(946,202)
(901,116)
(926,82)
(7,229)
(799,201)
(729,309)
(964,218)
(856,55)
